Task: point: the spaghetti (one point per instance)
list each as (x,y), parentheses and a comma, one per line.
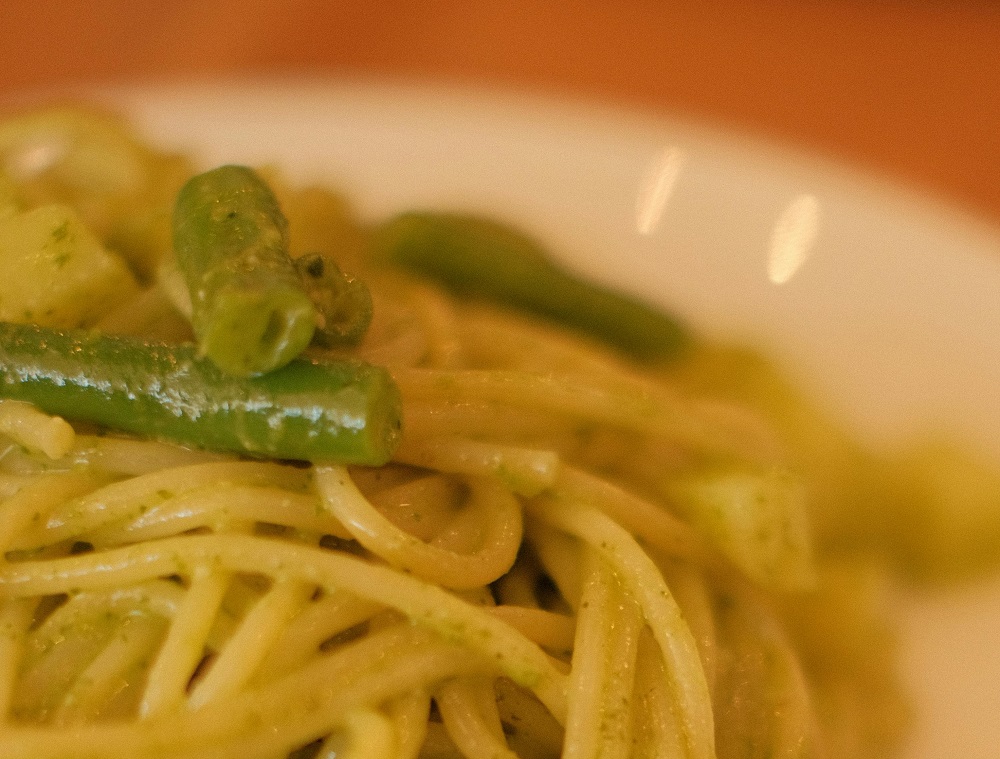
(569,555)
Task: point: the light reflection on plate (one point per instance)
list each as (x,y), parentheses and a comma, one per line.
(884,303)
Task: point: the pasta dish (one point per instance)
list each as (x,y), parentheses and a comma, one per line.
(281,482)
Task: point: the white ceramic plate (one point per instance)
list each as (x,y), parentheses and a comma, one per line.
(884,303)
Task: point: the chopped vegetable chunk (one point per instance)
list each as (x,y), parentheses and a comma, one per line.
(64,277)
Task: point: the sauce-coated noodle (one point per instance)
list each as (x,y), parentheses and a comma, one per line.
(569,554)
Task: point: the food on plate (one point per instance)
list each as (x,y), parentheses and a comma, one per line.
(249,307)
(342,410)
(477,256)
(280,482)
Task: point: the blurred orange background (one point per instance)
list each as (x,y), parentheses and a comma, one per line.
(909,89)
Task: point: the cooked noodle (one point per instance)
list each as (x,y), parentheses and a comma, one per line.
(528,576)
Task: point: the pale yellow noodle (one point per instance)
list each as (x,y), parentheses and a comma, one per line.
(643,580)
(317,623)
(422,507)
(409,713)
(35,430)
(499,513)
(549,629)
(573,395)
(112,671)
(441,325)
(34,503)
(109,455)
(243,592)
(530,728)
(256,724)
(366,734)
(438,744)
(129,499)
(15,619)
(213,505)
(643,518)
(506,339)
(427,605)
(508,424)
(159,597)
(656,731)
(519,587)
(561,558)
(690,589)
(503,340)
(127,456)
(599,719)
(251,642)
(526,471)
(469,712)
(768,700)
(185,642)
(465,532)
(48,670)
(10,484)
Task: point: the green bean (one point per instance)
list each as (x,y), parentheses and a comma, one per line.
(478,257)
(251,313)
(343,411)
(344,303)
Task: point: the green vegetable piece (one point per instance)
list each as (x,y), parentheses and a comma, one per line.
(478,257)
(344,303)
(251,313)
(344,411)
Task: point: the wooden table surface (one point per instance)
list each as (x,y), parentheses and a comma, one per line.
(908,88)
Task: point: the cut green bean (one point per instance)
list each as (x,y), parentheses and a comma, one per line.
(343,411)
(478,257)
(251,313)
(344,303)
